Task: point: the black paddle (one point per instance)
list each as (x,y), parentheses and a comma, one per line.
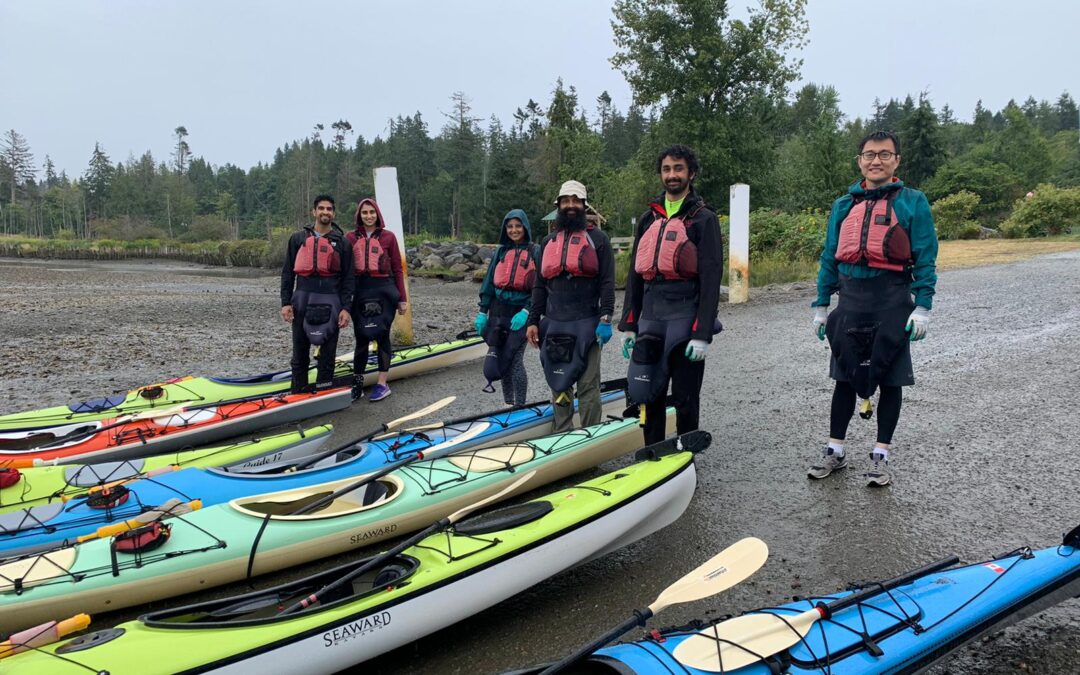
(386,555)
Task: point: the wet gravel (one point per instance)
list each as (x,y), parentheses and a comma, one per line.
(984,458)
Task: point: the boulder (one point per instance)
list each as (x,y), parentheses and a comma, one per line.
(459,268)
(433,262)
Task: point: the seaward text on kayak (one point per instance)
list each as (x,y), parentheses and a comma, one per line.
(356,629)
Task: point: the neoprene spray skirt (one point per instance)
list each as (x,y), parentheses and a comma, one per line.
(885,303)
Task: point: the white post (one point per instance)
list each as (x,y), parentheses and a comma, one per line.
(739,244)
(386,194)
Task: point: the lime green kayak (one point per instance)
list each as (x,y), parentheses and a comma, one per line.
(44,484)
(406,362)
(258,534)
(440,580)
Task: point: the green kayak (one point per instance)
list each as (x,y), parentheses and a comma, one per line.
(442,578)
(263,533)
(406,362)
(43,484)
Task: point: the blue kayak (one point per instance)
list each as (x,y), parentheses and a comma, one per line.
(44,526)
(899,626)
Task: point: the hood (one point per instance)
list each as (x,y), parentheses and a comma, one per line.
(858,189)
(504,240)
(359,224)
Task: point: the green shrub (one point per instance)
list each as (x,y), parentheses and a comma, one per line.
(276,247)
(997,185)
(208,228)
(124,228)
(1049,210)
(795,236)
(953,216)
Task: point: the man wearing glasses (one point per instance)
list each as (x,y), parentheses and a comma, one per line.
(881,256)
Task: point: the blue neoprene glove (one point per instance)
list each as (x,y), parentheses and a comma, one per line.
(481,322)
(517,322)
(603,333)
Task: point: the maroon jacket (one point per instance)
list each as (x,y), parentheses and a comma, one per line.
(386,238)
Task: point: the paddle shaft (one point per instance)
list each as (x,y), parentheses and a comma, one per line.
(370,564)
(827,610)
(639,619)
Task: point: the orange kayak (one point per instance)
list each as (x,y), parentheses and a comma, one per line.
(162,430)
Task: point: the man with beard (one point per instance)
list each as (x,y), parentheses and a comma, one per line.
(575,295)
(318,262)
(672,296)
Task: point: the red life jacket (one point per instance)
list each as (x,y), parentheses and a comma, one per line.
(370,257)
(516,271)
(870,235)
(570,252)
(317,257)
(665,249)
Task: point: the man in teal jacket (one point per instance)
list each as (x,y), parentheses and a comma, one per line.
(881,256)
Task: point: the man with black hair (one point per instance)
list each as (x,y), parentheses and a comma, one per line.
(318,262)
(575,295)
(672,297)
(881,256)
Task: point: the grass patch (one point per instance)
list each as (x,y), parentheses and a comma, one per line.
(953,255)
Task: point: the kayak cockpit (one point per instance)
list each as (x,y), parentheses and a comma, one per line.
(284,505)
(267,606)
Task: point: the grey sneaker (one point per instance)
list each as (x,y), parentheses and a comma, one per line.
(829,462)
(879,475)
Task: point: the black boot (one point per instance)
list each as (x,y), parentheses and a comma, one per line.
(357,387)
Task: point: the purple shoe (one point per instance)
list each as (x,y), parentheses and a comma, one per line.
(379,392)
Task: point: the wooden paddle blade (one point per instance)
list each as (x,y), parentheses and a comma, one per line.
(422,412)
(151,413)
(505,492)
(409,430)
(746,639)
(727,568)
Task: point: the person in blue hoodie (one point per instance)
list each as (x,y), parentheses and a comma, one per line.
(505,301)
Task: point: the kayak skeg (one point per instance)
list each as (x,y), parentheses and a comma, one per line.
(42,484)
(51,523)
(564,350)
(254,535)
(142,435)
(319,312)
(502,342)
(442,579)
(903,625)
(406,362)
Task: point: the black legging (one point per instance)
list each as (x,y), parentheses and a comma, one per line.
(843,407)
(385,351)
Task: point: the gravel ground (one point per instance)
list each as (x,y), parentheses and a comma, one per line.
(984,456)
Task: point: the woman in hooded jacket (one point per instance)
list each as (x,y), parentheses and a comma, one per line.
(505,301)
(379,290)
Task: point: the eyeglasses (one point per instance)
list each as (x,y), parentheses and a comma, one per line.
(869,156)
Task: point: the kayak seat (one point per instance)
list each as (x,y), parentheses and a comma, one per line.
(374,491)
(96,405)
(89,475)
(28,519)
(389,574)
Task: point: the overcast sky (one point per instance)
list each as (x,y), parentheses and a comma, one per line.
(246,77)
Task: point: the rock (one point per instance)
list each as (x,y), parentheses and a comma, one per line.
(454,259)
(478,275)
(459,267)
(469,249)
(433,261)
(486,253)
